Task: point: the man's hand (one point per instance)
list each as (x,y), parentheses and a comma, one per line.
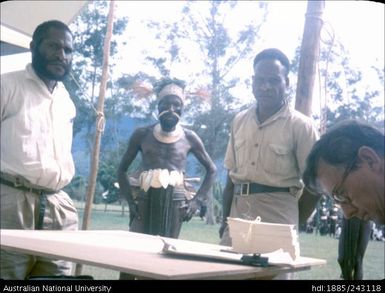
(134,210)
(193,206)
(222,228)
(306,205)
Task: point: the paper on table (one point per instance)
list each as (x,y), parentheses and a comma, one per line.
(278,257)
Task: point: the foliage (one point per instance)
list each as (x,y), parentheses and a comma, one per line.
(348,95)
(211,106)
(348,92)
(208,111)
(204,27)
(77,188)
(89,31)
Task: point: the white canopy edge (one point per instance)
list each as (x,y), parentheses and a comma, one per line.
(20,18)
(13,37)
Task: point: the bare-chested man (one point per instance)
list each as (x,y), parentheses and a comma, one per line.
(162,205)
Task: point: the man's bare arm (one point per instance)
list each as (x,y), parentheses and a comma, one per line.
(227,198)
(306,205)
(199,151)
(128,157)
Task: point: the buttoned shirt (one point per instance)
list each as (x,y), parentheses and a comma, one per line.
(36,130)
(273,152)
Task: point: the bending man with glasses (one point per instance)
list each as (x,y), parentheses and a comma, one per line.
(347,163)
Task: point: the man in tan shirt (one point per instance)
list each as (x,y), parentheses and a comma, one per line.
(267,150)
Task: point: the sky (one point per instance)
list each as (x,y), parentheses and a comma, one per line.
(358,24)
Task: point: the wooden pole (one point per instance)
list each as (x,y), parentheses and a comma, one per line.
(310,50)
(100,122)
(309,56)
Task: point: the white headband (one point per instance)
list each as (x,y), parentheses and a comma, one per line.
(172,90)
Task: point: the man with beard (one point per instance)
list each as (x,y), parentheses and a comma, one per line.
(36,137)
(163,203)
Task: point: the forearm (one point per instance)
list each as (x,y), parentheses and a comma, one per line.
(227,198)
(125,188)
(203,192)
(306,205)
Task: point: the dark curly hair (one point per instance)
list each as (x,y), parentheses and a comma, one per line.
(41,30)
(159,85)
(340,145)
(273,53)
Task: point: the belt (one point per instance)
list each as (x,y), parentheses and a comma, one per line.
(21,184)
(18,184)
(245,189)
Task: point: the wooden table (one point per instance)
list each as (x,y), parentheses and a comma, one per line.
(137,254)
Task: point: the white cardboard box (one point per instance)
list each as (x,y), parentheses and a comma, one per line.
(260,237)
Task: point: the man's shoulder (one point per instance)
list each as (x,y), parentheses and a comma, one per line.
(299,117)
(18,78)
(144,129)
(14,75)
(191,136)
(244,114)
(301,122)
(140,133)
(12,84)
(189,133)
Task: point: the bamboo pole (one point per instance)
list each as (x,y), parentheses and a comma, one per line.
(100,122)
(310,49)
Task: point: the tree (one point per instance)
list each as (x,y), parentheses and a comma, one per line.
(89,30)
(348,95)
(206,28)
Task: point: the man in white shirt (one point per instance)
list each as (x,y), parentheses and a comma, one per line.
(37,115)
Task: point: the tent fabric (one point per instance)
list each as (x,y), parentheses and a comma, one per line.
(20,18)
(10,49)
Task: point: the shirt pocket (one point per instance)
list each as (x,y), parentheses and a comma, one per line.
(279,160)
(240,153)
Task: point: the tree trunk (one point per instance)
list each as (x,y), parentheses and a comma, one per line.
(310,50)
(309,56)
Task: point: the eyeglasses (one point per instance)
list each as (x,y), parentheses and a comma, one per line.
(338,196)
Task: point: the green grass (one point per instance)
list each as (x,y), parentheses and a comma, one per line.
(312,245)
